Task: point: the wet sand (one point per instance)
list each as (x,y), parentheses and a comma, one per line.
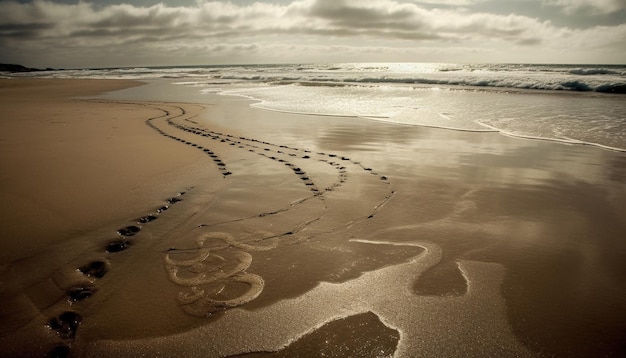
(290,235)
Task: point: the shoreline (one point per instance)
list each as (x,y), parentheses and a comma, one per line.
(317,207)
(258,103)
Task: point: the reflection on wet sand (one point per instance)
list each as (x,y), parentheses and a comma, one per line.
(429,325)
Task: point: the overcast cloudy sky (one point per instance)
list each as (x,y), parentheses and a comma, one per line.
(107,33)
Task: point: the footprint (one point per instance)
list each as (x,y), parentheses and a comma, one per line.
(79,293)
(129,230)
(95,269)
(146,219)
(66,324)
(162,209)
(117,246)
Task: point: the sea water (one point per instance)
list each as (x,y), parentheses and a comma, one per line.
(577,104)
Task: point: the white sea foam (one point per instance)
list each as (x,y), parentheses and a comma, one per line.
(569,103)
(570,118)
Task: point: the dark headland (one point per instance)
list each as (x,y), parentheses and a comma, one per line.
(6,67)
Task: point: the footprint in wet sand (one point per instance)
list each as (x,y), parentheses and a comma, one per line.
(79,293)
(95,269)
(129,230)
(162,209)
(146,219)
(66,324)
(174,200)
(117,246)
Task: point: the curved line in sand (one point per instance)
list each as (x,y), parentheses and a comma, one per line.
(202,302)
(211,273)
(202,306)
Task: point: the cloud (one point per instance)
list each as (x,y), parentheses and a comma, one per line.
(211,30)
(595,6)
(449,2)
(374,19)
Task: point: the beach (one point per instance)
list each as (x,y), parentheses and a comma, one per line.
(157,220)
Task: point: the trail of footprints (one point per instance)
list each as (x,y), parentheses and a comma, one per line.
(278,153)
(67,323)
(220,164)
(202,289)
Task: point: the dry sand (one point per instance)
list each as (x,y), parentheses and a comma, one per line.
(299,235)
(68,166)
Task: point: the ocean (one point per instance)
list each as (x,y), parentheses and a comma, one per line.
(573,104)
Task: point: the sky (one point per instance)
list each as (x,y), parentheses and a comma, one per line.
(120,33)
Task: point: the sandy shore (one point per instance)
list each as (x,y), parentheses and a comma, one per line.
(71,165)
(297,234)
